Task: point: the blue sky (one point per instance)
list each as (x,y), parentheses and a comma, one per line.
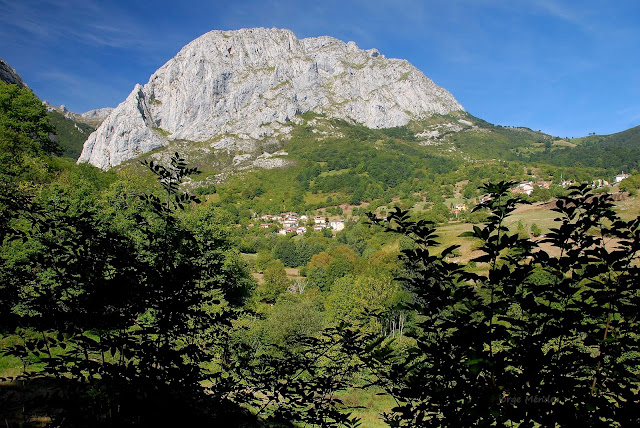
(565,67)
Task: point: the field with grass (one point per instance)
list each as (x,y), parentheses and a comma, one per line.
(540,214)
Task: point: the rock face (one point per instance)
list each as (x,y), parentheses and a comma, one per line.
(99,114)
(93,117)
(252,81)
(9,75)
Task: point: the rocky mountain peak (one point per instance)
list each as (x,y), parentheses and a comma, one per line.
(92,118)
(250,83)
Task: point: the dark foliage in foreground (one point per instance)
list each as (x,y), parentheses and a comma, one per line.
(543,337)
(134,329)
(122,326)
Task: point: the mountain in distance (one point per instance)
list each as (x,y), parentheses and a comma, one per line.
(72,129)
(70,134)
(231,100)
(619,151)
(259,99)
(239,90)
(93,118)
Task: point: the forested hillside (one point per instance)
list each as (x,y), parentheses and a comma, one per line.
(70,134)
(151,294)
(616,152)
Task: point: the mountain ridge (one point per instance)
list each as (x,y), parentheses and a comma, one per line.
(250,83)
(93,117)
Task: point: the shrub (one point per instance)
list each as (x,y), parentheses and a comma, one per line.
(536,340)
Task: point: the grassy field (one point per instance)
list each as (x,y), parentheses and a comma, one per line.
(538,213)
(629,208)
(10,366)
(373,405)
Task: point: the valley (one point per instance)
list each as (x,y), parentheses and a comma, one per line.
(277,231)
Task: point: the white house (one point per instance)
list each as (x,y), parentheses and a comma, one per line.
(337,224)
(524,187)
(290,222)
(286,230)
(618,178)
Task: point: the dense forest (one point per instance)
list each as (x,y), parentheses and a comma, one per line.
(127,298)
(618,151)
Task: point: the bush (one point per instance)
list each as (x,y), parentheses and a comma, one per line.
(538,340)
(535,230)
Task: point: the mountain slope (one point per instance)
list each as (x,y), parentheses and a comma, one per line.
(248,84)
(93,118)
(70,134)
(9,75)
(616,152)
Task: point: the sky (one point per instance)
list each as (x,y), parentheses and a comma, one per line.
(566,67)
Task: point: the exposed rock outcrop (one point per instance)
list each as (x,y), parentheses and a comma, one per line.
(250,82)
(94,117)
(100,113)
(9,75)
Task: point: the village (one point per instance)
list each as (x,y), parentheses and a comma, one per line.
(291,222)
(527,188)
(294,223)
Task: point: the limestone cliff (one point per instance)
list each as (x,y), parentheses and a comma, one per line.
(250,82)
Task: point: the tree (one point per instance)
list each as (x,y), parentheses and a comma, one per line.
(275,282)
(540,339)
(371,299)
(24,120)
(317,270)
(299,384)
(345,261)
(285,250)
(293,316)
(263,257)
(540,194)
(130,320)
(535,230)
(25,140)
(631,184)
